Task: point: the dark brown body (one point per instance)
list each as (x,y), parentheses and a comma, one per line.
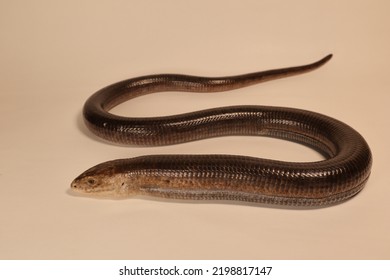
(341,175)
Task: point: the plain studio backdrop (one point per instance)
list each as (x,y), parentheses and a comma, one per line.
(55,54)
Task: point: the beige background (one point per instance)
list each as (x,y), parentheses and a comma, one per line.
(54,54)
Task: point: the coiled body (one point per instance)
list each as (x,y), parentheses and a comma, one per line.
(340,176)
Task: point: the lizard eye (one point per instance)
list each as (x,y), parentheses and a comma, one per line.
(91,181)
